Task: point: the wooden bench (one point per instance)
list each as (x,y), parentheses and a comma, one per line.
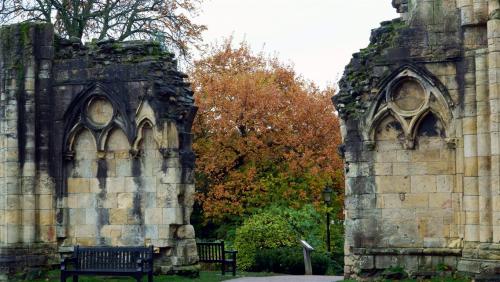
(213,252)
(110,261)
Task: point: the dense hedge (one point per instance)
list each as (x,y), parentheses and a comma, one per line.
(276,231)
(261,231)
(290,261)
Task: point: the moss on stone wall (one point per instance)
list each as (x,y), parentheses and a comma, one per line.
(358,75)
(111,51)
(24,33)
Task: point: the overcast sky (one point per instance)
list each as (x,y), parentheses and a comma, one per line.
(316,36)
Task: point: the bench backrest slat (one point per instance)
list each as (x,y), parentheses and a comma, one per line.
(210,251)
(100,258)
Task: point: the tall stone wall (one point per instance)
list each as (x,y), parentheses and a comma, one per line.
(96,149)
(420,123)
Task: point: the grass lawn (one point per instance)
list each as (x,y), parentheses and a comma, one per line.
(205,276)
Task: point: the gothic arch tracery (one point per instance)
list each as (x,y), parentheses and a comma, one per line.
(98,109)
(409,95)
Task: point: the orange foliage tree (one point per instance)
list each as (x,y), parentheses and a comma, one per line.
(263,135)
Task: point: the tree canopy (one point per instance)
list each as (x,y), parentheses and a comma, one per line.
(168,20)
(262,134)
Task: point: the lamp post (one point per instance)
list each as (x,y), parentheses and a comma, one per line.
(327,197)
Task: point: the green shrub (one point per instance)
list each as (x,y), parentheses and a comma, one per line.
(306,222)
(290,261)
(259,232)
(337,266)
(280,260)
(395,273)
(277,227)
(320,262)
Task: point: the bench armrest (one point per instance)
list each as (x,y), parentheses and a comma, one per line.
(66,262)
(232,254)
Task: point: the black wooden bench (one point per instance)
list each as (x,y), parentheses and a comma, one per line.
(109,261)
(213,252)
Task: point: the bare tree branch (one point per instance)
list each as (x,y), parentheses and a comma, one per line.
(121,19)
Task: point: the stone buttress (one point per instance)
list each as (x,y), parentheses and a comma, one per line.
(420,124)
(95,149)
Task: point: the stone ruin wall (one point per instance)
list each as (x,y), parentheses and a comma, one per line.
(95,149)
(420,124)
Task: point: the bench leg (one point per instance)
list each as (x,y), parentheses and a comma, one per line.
(63,277)
(75,278)
(138,278)
(150,277)
(234,267)
(223,267)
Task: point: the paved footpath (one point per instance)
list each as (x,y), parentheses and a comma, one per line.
(289,278)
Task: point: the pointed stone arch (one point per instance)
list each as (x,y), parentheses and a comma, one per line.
(418,122)
(145,117)
(145,123)
(73,136)
(117,135)
(409,94)
(100,110)
(83,134)
(79,112)
(381,116)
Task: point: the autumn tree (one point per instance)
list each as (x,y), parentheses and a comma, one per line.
(263,135)
(168,20)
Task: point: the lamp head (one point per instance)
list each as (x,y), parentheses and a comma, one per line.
(327,194)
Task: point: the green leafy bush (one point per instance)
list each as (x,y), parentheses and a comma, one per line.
(395,273)
(337,254)
(280,260)
(306,223)
(259,232)
(320,262)
(290,261)
(278,227)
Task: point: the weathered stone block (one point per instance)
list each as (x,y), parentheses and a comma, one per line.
(45,202)
(151,232)
(383,262)
(91,216)
(434,242)
(185,232)
(163,231)
(416,200)
(111,231)
(115,184)
(471,203)
(172,175)
(85,230)
(77,217)
(123,166)
(440,200)
(423,184)
(46,217)
(172,216)
(471,233)
(153,216)
(85,200)
(118,216)
(354,186)
(111,201)
(469,266)
(12,217)
(382,169)
(393,184)
(445,183)
(125,200)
